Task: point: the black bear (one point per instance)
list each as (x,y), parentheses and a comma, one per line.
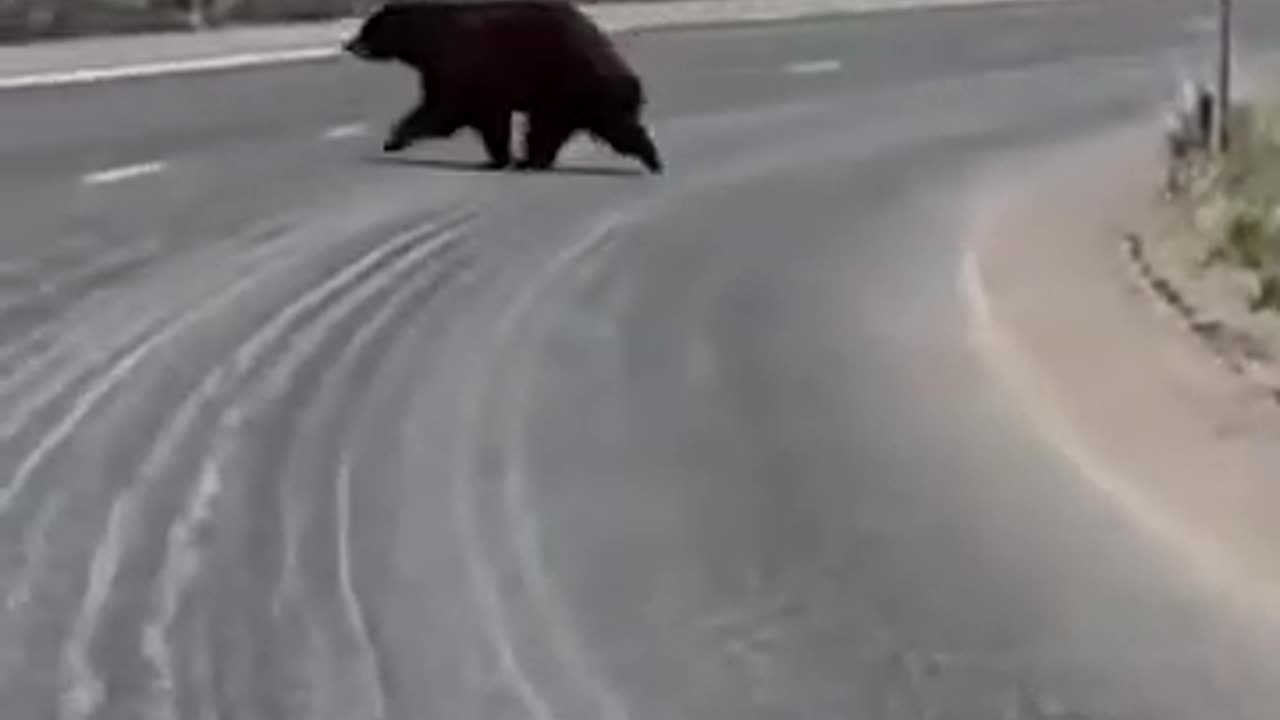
(480,62)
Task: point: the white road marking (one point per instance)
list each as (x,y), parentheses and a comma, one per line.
(125,172)
(346,131)
(813,67)
(1201,24)
(613,19)
(156,69)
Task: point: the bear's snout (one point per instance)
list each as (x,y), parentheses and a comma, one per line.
(356,47)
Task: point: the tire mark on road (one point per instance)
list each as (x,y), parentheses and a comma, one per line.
(234,375)
(483,574)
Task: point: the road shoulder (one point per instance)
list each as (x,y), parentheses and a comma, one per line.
(1133,398)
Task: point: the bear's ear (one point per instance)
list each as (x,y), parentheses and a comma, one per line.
(380,8)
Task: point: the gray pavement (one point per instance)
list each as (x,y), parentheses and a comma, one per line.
(291,430)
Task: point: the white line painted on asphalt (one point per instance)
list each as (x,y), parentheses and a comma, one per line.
(125,172)
(813,67)
(155,69)
(346,131)
(613,19)
(688,13)
(1201,24)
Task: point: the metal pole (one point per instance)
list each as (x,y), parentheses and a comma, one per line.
(197,14)
(1224,75)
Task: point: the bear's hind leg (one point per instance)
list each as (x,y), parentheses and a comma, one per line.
(547,133)
(630,138)
(495,132)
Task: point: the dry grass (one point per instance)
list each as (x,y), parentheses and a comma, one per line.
(1236,204)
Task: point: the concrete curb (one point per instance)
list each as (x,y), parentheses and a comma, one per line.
(1198,321)
(1126,394)
(60,63)
(1035,391)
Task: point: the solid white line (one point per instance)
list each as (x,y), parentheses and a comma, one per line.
(813,67)
(154,69)
(126,172)
(688,13)
(346,131)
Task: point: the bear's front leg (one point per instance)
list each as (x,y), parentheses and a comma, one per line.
(424,121)
(404,132)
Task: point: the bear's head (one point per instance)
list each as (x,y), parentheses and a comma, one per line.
(383,35)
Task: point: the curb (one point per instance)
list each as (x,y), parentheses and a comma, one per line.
(1197,321)
(1035,398)
(1189,514)
(614,18)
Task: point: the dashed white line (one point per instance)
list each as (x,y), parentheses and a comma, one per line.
(1201,24)
(813,67)
(124,172)
(346,131)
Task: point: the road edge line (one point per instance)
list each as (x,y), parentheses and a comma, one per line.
(321,52)
(133,71)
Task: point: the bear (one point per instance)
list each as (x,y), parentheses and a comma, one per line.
(478,63)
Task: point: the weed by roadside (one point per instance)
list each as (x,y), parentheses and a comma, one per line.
(1213,254)
(1234,204)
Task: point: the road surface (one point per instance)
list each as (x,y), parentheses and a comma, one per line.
(292,430)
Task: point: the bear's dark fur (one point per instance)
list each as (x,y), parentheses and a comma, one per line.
(480,62)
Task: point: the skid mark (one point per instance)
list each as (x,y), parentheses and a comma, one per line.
(484,579)
(181,556)
(124,172)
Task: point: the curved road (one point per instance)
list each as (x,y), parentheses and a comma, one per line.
(289,430)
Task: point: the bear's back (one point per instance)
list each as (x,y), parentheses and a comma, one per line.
(511,53)
(532,39)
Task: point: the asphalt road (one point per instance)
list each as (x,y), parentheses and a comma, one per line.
(291,430)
